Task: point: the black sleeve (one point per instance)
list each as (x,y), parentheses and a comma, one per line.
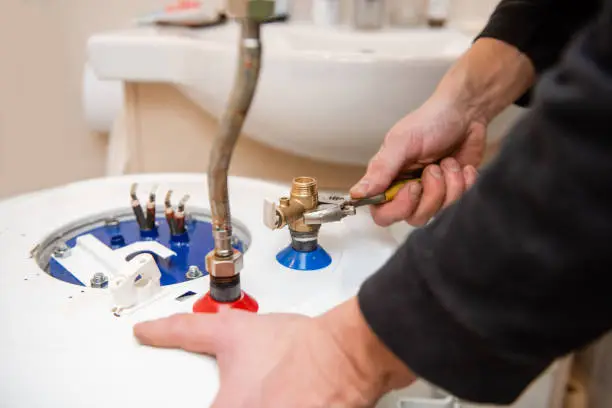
(540,29)
(517,272)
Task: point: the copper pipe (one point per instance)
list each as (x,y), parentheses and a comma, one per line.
(231,124)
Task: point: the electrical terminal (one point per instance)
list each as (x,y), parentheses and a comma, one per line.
(136,208)
(176,219)
(150,219)
(169,213)
(180,215)
(146,221)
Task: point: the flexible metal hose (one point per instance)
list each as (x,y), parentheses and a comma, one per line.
(245,83)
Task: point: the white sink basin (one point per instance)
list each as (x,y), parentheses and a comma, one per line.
(324,93)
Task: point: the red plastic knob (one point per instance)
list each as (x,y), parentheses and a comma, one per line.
(208,305)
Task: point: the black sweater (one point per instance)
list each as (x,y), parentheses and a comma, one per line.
(517,272)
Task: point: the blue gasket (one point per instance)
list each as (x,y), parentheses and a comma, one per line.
(304,261)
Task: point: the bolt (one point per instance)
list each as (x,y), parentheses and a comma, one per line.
(99,280)
(193,272)
(61,251)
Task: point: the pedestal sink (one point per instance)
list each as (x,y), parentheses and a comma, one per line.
(326,93)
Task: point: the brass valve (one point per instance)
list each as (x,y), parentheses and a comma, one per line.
(290,210)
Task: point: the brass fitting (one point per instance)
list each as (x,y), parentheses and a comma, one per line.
(304,197)
(224,267)
(258,10)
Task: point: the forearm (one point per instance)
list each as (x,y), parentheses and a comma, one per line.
(477,301)
(487,79)
(378,369)
(539,29)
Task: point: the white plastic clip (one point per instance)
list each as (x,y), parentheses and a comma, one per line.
(136,282)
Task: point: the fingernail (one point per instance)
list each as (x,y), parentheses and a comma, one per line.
(452,165)
(435,171)
(360,189)
(415,189)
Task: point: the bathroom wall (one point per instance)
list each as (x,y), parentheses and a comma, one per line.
(466,14)
(43,138)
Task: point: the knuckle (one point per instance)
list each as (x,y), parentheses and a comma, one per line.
(454,181)
(378,168)
(448,161)
(388,139)
(382,220)
(376,161)
(378,219)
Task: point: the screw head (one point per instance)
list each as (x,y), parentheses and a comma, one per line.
(99,280)
(193,272)
(61,251)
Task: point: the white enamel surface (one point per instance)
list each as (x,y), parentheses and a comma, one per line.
(61,346)
(322,90)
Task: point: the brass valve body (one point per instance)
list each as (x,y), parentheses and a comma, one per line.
(304,196)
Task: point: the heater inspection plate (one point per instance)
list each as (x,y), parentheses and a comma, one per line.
(188,250)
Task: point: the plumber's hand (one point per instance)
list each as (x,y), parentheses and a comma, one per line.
(439,129)
(285,360)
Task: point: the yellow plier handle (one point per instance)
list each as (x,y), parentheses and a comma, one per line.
(391,192)
(395,187)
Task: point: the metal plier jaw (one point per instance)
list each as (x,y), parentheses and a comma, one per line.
(326,213)
(330,208)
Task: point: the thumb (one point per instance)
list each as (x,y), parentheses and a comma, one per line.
(382,170)
(198,333)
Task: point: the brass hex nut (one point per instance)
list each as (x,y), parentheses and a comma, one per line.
(224,267)
(255,9)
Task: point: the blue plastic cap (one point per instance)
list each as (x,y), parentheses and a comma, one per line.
(304,261)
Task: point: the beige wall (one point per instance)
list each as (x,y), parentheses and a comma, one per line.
(43,139)
(170,133)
